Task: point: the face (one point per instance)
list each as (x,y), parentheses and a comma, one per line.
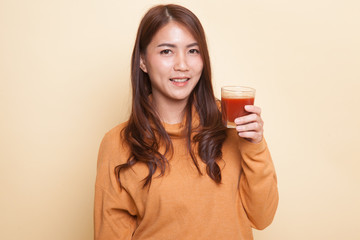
(173,63)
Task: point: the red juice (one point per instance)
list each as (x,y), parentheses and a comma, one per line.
(234,107)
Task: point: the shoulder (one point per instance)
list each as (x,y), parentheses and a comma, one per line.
(112,147)
(116,130)
(113,136)
(112,152)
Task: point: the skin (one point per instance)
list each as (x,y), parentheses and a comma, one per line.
(172,54)
(250,126)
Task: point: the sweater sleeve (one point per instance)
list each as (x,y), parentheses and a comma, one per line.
(114,208)
(258,183)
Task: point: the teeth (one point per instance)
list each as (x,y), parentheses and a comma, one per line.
(179,80)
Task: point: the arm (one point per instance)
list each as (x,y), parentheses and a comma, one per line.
(111,219)
(258,182)
(114,208)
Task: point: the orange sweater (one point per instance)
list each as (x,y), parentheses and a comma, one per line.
(184,204)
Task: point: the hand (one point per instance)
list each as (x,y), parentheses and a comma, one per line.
(250,126)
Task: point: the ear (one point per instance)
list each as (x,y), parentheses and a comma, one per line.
(142,63)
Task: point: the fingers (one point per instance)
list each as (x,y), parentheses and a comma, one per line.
(248,119)
(250,126)
(254,126)
(253,109)
(254,137)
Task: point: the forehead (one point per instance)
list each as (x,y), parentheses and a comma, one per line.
(174,32)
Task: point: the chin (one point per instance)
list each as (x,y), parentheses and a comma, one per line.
(181,97)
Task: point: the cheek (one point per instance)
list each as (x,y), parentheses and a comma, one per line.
(201,67)
(160,66)
(166,64)
(197,65)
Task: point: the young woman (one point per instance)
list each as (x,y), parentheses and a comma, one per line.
(173,171)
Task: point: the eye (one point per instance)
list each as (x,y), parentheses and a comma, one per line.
(165,51)
(194,51)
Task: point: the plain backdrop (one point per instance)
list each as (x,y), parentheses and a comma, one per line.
(64,72)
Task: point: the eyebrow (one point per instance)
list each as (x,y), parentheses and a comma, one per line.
(174,46)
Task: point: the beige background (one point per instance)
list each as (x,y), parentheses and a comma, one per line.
(64,71)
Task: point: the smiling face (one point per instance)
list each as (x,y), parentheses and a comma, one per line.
(173,63)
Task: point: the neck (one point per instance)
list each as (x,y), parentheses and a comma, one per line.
(170,111)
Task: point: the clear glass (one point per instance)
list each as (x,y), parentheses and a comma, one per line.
(233,101)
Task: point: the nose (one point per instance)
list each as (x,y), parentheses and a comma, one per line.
(181,63)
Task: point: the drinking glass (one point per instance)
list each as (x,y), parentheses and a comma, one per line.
(233,101)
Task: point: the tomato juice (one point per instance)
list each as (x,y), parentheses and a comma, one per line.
(233,108)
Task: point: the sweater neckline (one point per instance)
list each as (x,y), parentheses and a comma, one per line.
(176,129)
(180,129)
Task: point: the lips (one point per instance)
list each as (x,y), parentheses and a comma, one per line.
(179,80)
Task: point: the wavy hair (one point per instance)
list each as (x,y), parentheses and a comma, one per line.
(144,132)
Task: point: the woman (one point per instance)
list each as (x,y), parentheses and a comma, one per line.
(173,171)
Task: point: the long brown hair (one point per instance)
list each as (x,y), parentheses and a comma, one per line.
(144,132)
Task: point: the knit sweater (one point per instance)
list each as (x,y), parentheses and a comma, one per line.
(183,204)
